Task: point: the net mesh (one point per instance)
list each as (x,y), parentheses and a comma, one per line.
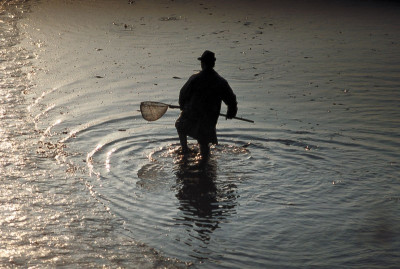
(152,111)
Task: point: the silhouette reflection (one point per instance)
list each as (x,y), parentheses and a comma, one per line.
(204,200)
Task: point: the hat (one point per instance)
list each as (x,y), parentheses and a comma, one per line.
(207,56)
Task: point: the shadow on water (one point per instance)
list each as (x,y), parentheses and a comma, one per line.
(188,200)
(204,200)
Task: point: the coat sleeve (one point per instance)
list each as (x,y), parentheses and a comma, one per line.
(229,99)
(184,93)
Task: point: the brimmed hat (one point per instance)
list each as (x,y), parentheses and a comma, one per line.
(207,56)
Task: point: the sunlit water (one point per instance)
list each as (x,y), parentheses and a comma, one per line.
(85,181)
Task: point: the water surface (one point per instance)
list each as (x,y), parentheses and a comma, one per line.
(313,183)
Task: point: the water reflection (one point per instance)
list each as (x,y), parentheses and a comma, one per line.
(205,200)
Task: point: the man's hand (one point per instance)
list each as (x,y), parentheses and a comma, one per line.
(231,112)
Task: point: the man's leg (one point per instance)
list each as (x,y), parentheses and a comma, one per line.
(182,135)
(183,140)
(204,149)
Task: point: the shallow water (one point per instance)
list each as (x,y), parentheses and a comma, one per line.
(313,183)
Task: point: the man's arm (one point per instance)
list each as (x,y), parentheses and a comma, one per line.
(229,99)
(184,93)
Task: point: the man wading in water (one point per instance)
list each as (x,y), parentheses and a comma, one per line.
(200,101)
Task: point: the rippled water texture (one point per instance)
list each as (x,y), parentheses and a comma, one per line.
(48,218)
(312,183)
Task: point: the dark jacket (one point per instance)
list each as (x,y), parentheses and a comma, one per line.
(200,101)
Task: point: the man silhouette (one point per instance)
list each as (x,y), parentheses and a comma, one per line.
(200,101)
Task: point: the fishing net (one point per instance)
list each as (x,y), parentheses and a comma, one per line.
(152,111)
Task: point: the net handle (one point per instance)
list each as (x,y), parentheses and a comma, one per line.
(175,107)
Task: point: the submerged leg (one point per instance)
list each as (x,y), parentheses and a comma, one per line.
(204,150)
(183,140)
(182,135)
